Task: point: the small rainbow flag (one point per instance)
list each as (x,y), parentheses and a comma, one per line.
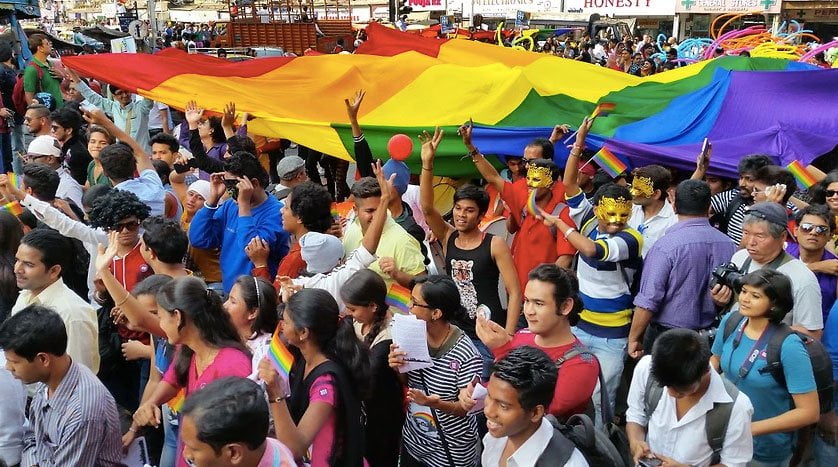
(609,162)
(398,297)
(14,207)
(176,403)
(13,179)
(342,209)
(279,355)
(603,109)
(804,178)
(532,208)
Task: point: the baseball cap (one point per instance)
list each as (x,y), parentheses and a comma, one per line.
(321,252)
(402,174)
(45,145)
(588,170)
(769,212)
(202,187)
(288,165)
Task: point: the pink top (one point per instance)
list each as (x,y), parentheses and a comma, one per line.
(227,362)
(276,455)
(323,390)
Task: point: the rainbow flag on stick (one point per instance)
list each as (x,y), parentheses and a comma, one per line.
(609,162)
(603,109)
(13,179)
(14,207)
(176,403)
(804,178)
(398,297)
(279,355)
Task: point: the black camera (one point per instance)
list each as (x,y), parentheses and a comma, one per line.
(727,274)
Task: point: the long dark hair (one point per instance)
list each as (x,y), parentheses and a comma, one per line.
(365,288)
(11,231)
(317,311)
(203,308)
(819,191)
(260,294)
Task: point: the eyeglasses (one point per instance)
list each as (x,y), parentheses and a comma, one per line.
(412,303)
(808,227)
(130,225)
(831,193)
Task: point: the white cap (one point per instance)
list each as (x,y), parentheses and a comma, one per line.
(321,252)
(45,145)
(202,187)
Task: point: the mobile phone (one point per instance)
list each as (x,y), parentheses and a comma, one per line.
(476,380)
(705,146)
(649,462)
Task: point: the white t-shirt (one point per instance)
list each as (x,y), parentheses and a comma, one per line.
(155,120)
(805,290)
(653,228)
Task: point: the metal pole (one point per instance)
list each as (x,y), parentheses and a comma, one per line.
(152,24)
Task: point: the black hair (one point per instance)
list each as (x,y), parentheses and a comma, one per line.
(365,288)
(611,190)
(819,191)
(114,206)
(774,174)
(312,203)
(547,150)
(93,193)
(555,170)
(565,287)
(317,311)
(33,330)
(817,210)
(55,248)
(366,187)
(216,130)
(42,179)
(67,118)
(245,164)
(239,143)
(680,358)
(98,129)
(163,170)
(440,292)
(41,110)
(777,286)
(532,373)
(118,163)
(229,410)
(166,239)
(168,140)
(202,308)
(263,298)
(749,165)
(151,285)
(11,231)
(35,41)
(692,198)
(661,177)
(473,193)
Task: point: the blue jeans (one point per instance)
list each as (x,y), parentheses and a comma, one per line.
(486,356)
(610,352)
(168,457)
(826,455)
(756,463)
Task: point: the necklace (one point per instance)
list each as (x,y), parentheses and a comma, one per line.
(445,339)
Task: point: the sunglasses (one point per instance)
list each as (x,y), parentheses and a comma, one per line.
(831,193)
(130,225)
(815,229)
(230,183)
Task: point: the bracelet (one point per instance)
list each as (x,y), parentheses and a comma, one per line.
(474,153)
(428,169)
(262,266)
(569,231)
(132,430)
(277,400)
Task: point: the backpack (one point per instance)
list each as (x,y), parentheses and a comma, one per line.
(606,447)
(19,94)
(718,418)
(579,432)
(821,361)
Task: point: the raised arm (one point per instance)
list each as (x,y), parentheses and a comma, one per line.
(571,169)
(97,117)
(438,226)
(193,115)
(585,245)
(363,154)
(228,119)
(487,171)
(90,95)
(702,163)
(373,233)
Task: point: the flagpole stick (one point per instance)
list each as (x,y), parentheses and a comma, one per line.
(587,162)
(593,117)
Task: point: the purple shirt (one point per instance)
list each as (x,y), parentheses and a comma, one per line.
(674,284)
(827,282)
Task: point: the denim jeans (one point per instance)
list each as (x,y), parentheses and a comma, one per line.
(756,463)
(168,457)
(826,455)
(486,356)
(610,352)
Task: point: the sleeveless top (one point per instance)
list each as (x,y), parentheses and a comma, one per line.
(476,275)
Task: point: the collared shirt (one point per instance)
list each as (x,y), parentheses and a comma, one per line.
(685,440)
(653,228)
(827,282)
(132,119)
(149,189)
(12,415)
(276,455)
(68,187)
(395,243)
(528,453)
(78,316)
(676,274)
(78,425)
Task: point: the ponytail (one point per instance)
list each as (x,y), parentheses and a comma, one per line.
(565,287)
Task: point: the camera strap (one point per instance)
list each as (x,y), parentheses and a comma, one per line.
(759,347)
(776,263)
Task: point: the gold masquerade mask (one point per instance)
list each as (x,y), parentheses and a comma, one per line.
(539,177)
(641,187)
(613,211)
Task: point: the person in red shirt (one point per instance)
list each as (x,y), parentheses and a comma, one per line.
(551,306)
(534,243)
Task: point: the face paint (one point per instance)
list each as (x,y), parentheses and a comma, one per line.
(539,177)
(613,211)
(641,187)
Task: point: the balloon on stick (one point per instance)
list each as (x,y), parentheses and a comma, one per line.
(400,146)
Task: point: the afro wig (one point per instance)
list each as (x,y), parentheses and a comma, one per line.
(115,206)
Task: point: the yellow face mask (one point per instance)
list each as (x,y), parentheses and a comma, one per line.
(613,211)
(642,187)
(539,177)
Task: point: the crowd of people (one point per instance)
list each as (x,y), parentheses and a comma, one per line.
(154,260)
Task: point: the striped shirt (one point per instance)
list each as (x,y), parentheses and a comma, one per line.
(455,364)
(77,426)
(719,203)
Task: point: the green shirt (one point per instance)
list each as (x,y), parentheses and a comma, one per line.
(48,84)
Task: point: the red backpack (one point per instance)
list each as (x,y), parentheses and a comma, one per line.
(18,93)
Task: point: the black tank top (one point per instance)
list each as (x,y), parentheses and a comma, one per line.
(476,275)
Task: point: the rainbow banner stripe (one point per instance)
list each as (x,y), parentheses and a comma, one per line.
(511,95)
(603,109)
(14,207)
(279,354)
(14,180)
(532,208)
(609,162)
(176,403)
(804,178)
(398,297)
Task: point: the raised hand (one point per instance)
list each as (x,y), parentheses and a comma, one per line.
(558,132)
(355,104)
(465,132)
(228,118)
(193,114)
(106,255)
(430,144)
(96,116)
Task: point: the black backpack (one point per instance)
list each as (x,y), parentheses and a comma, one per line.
(821,361)
(579,432)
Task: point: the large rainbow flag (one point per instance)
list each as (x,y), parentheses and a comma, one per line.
(744,105)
